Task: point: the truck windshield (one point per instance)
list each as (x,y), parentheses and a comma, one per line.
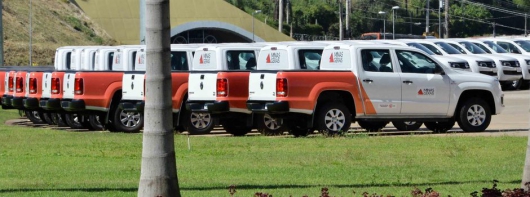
(472,48)
(309,59)
(448,48)
(523,44)
(433,49)
(495,47)
(241,60)
(421,47)
(179,61)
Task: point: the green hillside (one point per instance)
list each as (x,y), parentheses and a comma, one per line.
(55,23)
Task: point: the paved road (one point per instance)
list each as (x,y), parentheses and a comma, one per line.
(514,120)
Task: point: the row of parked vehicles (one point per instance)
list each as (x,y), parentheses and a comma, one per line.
(298,87)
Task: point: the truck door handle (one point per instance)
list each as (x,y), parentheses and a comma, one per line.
(368,80)
(407,82)
(202,76)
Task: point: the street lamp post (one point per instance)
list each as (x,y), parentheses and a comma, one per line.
(393,25)
(255,12)
(384,24)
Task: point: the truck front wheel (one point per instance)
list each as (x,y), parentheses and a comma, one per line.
(372,126)
(407,125)
(268,125)
(333,118)
(129,122)
(200,123)
(440,127)
(474,115)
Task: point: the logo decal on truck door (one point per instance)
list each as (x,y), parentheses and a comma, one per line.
(426,92)
(273,58)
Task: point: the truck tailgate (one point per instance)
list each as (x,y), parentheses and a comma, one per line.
(133,86)
(68,85)
(202,86)
(262,86)
(46,85)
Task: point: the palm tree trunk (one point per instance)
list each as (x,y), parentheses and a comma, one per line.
(526,170)
(159,170)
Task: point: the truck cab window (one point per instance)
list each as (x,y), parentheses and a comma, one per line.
(240,60)
(133,56)
(309,59)
(509,47)
(179,61)
(413,62)
(375,60)
(68,60)
(109,60)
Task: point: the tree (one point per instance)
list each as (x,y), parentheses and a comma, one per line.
(158,174)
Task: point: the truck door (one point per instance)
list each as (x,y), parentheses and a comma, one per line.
(203,77)
(380,81)
(423,90)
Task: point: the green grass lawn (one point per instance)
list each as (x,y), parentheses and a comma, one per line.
(45,162)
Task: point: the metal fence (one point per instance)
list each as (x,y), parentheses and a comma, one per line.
(307,37)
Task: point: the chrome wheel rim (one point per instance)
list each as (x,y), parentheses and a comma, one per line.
(335,120)
(476,115)
(271,123)
(130,119)
(200,120)
(409,123)
(36,115)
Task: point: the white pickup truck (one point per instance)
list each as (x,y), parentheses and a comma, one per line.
(404,84)
(218,85)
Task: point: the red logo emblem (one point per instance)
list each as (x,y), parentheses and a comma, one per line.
(331,58)
(420,92)
(268,58)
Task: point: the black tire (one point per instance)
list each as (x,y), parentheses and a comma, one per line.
(407,125)
(510,85)
(300,132)
(333,118)
(525,85)
(128,122)
(441,126)
(199,123)
(59,119)
(94,122)
(270,126)
(474,115)
(372,126)
(35,117)
(48,119)
(74,121)
(236,129)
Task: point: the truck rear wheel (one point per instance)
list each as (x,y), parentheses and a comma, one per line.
(48,118)
(130,122)
(440,127)
(333,118)
(59,119)
(35,117)
(268,125)
(474,115)
(199,123)
(95,122)
(372,126)
(407,125)
(74,121)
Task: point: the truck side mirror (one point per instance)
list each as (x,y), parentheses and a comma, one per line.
(439,70)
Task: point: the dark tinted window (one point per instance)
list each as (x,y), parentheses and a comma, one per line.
(473,48)
(68,59)
(179,61)
(133,60)
(421,47)
(109,60)
(309,58)
(241,60)
(448,48)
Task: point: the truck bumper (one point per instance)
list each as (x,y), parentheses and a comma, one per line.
(215,108)
(6,102)
(73,105)
(18,102)
(31,103)
(276,107)
(50,104)
(132,106)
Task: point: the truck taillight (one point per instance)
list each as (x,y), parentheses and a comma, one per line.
(281,87)
(78,86)
(56,85)
(32,85)
(222,89)
(10,84)
(19,84)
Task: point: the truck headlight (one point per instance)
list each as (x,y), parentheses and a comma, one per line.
(527,62)
(454,65)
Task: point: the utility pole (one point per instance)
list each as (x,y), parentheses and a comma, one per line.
(280,15)
(446,24)
(493,24)
(142,21)
(427,18)
(340,19)
(287,10)
(30,36)
(347,18)
(158,176)
(525,32)
(439,19)
(1,36)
